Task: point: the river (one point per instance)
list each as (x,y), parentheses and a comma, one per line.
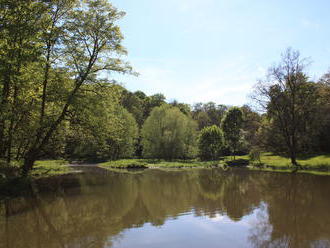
(177,208)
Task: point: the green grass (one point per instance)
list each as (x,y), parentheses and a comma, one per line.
(308,161)
(318,164)
(12,184)
(148,163)
(305,161)
(46,168)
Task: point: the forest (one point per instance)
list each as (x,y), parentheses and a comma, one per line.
(58,99)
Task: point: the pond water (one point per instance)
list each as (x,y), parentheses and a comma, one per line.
(179,208)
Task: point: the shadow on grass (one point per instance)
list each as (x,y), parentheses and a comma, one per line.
(309,156)
(238,163)
(305,156)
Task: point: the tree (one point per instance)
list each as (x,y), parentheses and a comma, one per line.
(128,136)
(20,45)
(210,143)
(82,52)
(286,96)
(323,119)
(208,114)
(168,134)
(99,127)
(184,108)
(251,124)
(231,125)
(135,105)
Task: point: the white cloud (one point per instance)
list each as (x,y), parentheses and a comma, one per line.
(191,82)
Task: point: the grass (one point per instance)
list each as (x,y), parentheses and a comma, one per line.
(318,164)
(148,163)
(308,161)
(12,184)
(315,164)
(46,168)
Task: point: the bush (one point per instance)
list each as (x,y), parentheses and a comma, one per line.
(210,143)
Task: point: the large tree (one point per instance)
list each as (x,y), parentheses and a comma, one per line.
(231,125)
(287,98)
(58,47)
(168,134)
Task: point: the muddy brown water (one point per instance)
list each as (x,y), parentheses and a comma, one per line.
(179,208)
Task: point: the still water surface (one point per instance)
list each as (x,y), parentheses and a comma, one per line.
(184,208)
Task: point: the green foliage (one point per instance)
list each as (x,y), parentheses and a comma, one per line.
(208,114)
(51,55)
(231,125)
(168,134)
(210,143)
(100,128)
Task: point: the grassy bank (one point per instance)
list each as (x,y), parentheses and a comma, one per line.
(42,168)
(12,184)
(148,163)
(315,163)
(47,168)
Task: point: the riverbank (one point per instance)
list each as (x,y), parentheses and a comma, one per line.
(318,164)
(314,164)
(153,163)
(11,183)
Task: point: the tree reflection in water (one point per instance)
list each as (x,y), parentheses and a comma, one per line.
(93,210)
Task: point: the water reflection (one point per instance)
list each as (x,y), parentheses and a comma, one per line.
(155,208)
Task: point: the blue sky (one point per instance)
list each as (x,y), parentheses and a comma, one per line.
(215,50)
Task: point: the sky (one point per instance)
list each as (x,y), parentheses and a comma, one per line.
(216,50)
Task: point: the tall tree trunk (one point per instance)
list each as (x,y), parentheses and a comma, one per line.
(4,105)
(293,157)
(34,151)
(29,159)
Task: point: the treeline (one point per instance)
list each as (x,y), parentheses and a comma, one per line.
(55,102)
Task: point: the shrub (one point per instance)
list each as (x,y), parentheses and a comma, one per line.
(210,143)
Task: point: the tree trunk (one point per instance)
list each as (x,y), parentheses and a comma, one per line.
(293,156)
(293,159)
(4,111)
(29,160)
